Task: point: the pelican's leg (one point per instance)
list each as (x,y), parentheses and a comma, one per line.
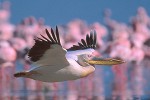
(25,74)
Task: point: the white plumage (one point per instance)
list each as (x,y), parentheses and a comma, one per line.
(55,64)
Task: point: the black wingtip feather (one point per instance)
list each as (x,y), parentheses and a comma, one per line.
(91,38)
(45,38)
(53,35)
(43,44)
(89,43)
(48,34)
(57,35)
(95,39)
(83,42)
(81,45)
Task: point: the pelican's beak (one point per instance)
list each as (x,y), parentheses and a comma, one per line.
(108,61)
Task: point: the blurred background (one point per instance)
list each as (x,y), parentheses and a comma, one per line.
(123,30)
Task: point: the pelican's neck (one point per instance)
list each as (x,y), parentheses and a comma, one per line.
(87,70)
(83,70)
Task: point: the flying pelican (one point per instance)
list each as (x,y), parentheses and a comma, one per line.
(56,64)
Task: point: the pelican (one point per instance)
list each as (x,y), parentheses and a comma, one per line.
(56,64)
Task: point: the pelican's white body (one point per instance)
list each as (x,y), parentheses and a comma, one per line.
(57,73)
(56,65)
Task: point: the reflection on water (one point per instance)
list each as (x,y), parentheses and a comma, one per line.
(53,95)
(107,83)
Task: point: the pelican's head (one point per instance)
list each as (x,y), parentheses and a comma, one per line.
(94,60)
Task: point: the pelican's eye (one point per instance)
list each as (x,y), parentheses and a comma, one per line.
(89,56)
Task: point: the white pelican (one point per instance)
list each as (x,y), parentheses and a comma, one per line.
(56,64)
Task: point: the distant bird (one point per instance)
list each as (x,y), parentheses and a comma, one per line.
(56,64)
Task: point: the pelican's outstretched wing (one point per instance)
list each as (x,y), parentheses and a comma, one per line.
(90,42)
(84,47)
(48,51)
